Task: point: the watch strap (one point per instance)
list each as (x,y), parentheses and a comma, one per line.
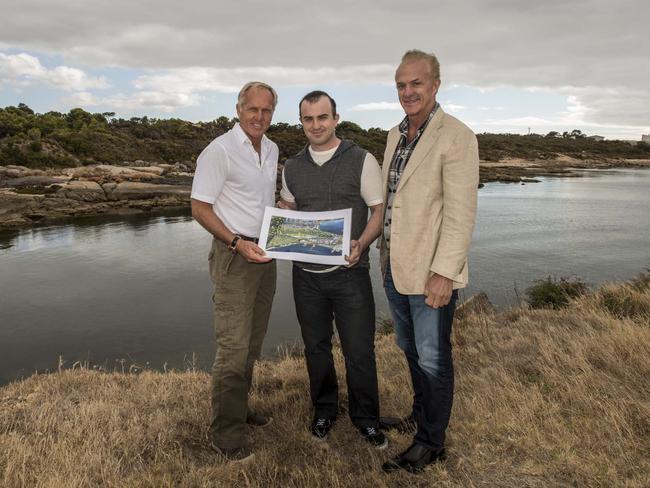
(233,244)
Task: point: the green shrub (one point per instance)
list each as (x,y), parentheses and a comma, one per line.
(554,293)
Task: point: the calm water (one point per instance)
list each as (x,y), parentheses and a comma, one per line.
(137,288)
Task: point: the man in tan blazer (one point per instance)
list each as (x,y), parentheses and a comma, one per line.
(430,175)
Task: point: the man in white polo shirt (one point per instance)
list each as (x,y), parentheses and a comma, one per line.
(234,180)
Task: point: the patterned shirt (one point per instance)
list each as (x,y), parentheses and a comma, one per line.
(401,157)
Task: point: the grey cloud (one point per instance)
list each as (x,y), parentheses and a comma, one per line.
(595,44)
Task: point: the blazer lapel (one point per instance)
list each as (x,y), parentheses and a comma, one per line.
(424,145)
(391,145)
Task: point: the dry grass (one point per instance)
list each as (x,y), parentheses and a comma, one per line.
(544,398)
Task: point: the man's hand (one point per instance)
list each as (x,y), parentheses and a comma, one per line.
(438,290)
(286,205)
(355,254)
(251,252)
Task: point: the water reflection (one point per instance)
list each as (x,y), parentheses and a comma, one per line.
(137,287)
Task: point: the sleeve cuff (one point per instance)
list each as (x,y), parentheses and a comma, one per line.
(447,273)
(287,197)
(203,198)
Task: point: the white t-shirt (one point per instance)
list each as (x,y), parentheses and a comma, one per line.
(371,185)
(237,181)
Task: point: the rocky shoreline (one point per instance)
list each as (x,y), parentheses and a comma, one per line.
(34,196)
(41,196)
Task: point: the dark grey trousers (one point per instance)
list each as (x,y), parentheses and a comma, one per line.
(345,297)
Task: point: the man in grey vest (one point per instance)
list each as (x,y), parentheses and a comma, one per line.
(332,174)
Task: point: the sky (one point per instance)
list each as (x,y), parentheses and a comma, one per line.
(514,66)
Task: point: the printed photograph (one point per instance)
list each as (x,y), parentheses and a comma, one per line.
(320,237)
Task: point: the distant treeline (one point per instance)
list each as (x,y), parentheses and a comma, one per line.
(79,138)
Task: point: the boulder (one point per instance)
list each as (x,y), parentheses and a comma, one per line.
(107,172)
(25,181)
(156,170)
(9,172)
(83,191)
(13,171)
(13,205)
(108,188)
(130,190)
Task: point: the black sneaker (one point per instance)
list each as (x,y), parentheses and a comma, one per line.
(320,428)
(236,455)
(375,437)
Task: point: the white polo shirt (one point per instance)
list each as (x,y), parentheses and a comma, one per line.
(236,181)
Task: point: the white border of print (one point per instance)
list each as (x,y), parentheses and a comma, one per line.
(345,214)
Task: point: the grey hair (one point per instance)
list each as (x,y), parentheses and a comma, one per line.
(241,98)
(430,58)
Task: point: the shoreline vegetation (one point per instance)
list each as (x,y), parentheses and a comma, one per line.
(56,166)
(550,396)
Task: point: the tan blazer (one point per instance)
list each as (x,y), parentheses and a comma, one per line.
(434,206)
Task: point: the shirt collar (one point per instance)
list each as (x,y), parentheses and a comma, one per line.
(404,124)
(242,138)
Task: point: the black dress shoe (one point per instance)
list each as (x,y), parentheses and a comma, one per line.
(414,459)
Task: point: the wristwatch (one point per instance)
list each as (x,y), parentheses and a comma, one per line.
(233,244)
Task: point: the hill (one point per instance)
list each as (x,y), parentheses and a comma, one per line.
(77,138)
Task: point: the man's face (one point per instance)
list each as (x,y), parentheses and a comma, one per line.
(256,112)
(415,88)
(319,123)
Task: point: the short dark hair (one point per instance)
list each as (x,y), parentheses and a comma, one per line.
(313,97)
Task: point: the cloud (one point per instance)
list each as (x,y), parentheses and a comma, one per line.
(23,68)
(453,107)
(153,100)
(372,106)
(593,50)
(230,80)
(141,100)
(81,99)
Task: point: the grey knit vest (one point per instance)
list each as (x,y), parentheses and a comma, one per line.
(333,186)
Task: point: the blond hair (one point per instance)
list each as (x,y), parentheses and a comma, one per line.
(241,98)
(429,58)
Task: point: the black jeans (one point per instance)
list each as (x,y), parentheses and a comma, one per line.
(344,295)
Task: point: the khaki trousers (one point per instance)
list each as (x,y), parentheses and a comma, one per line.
(243,295)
